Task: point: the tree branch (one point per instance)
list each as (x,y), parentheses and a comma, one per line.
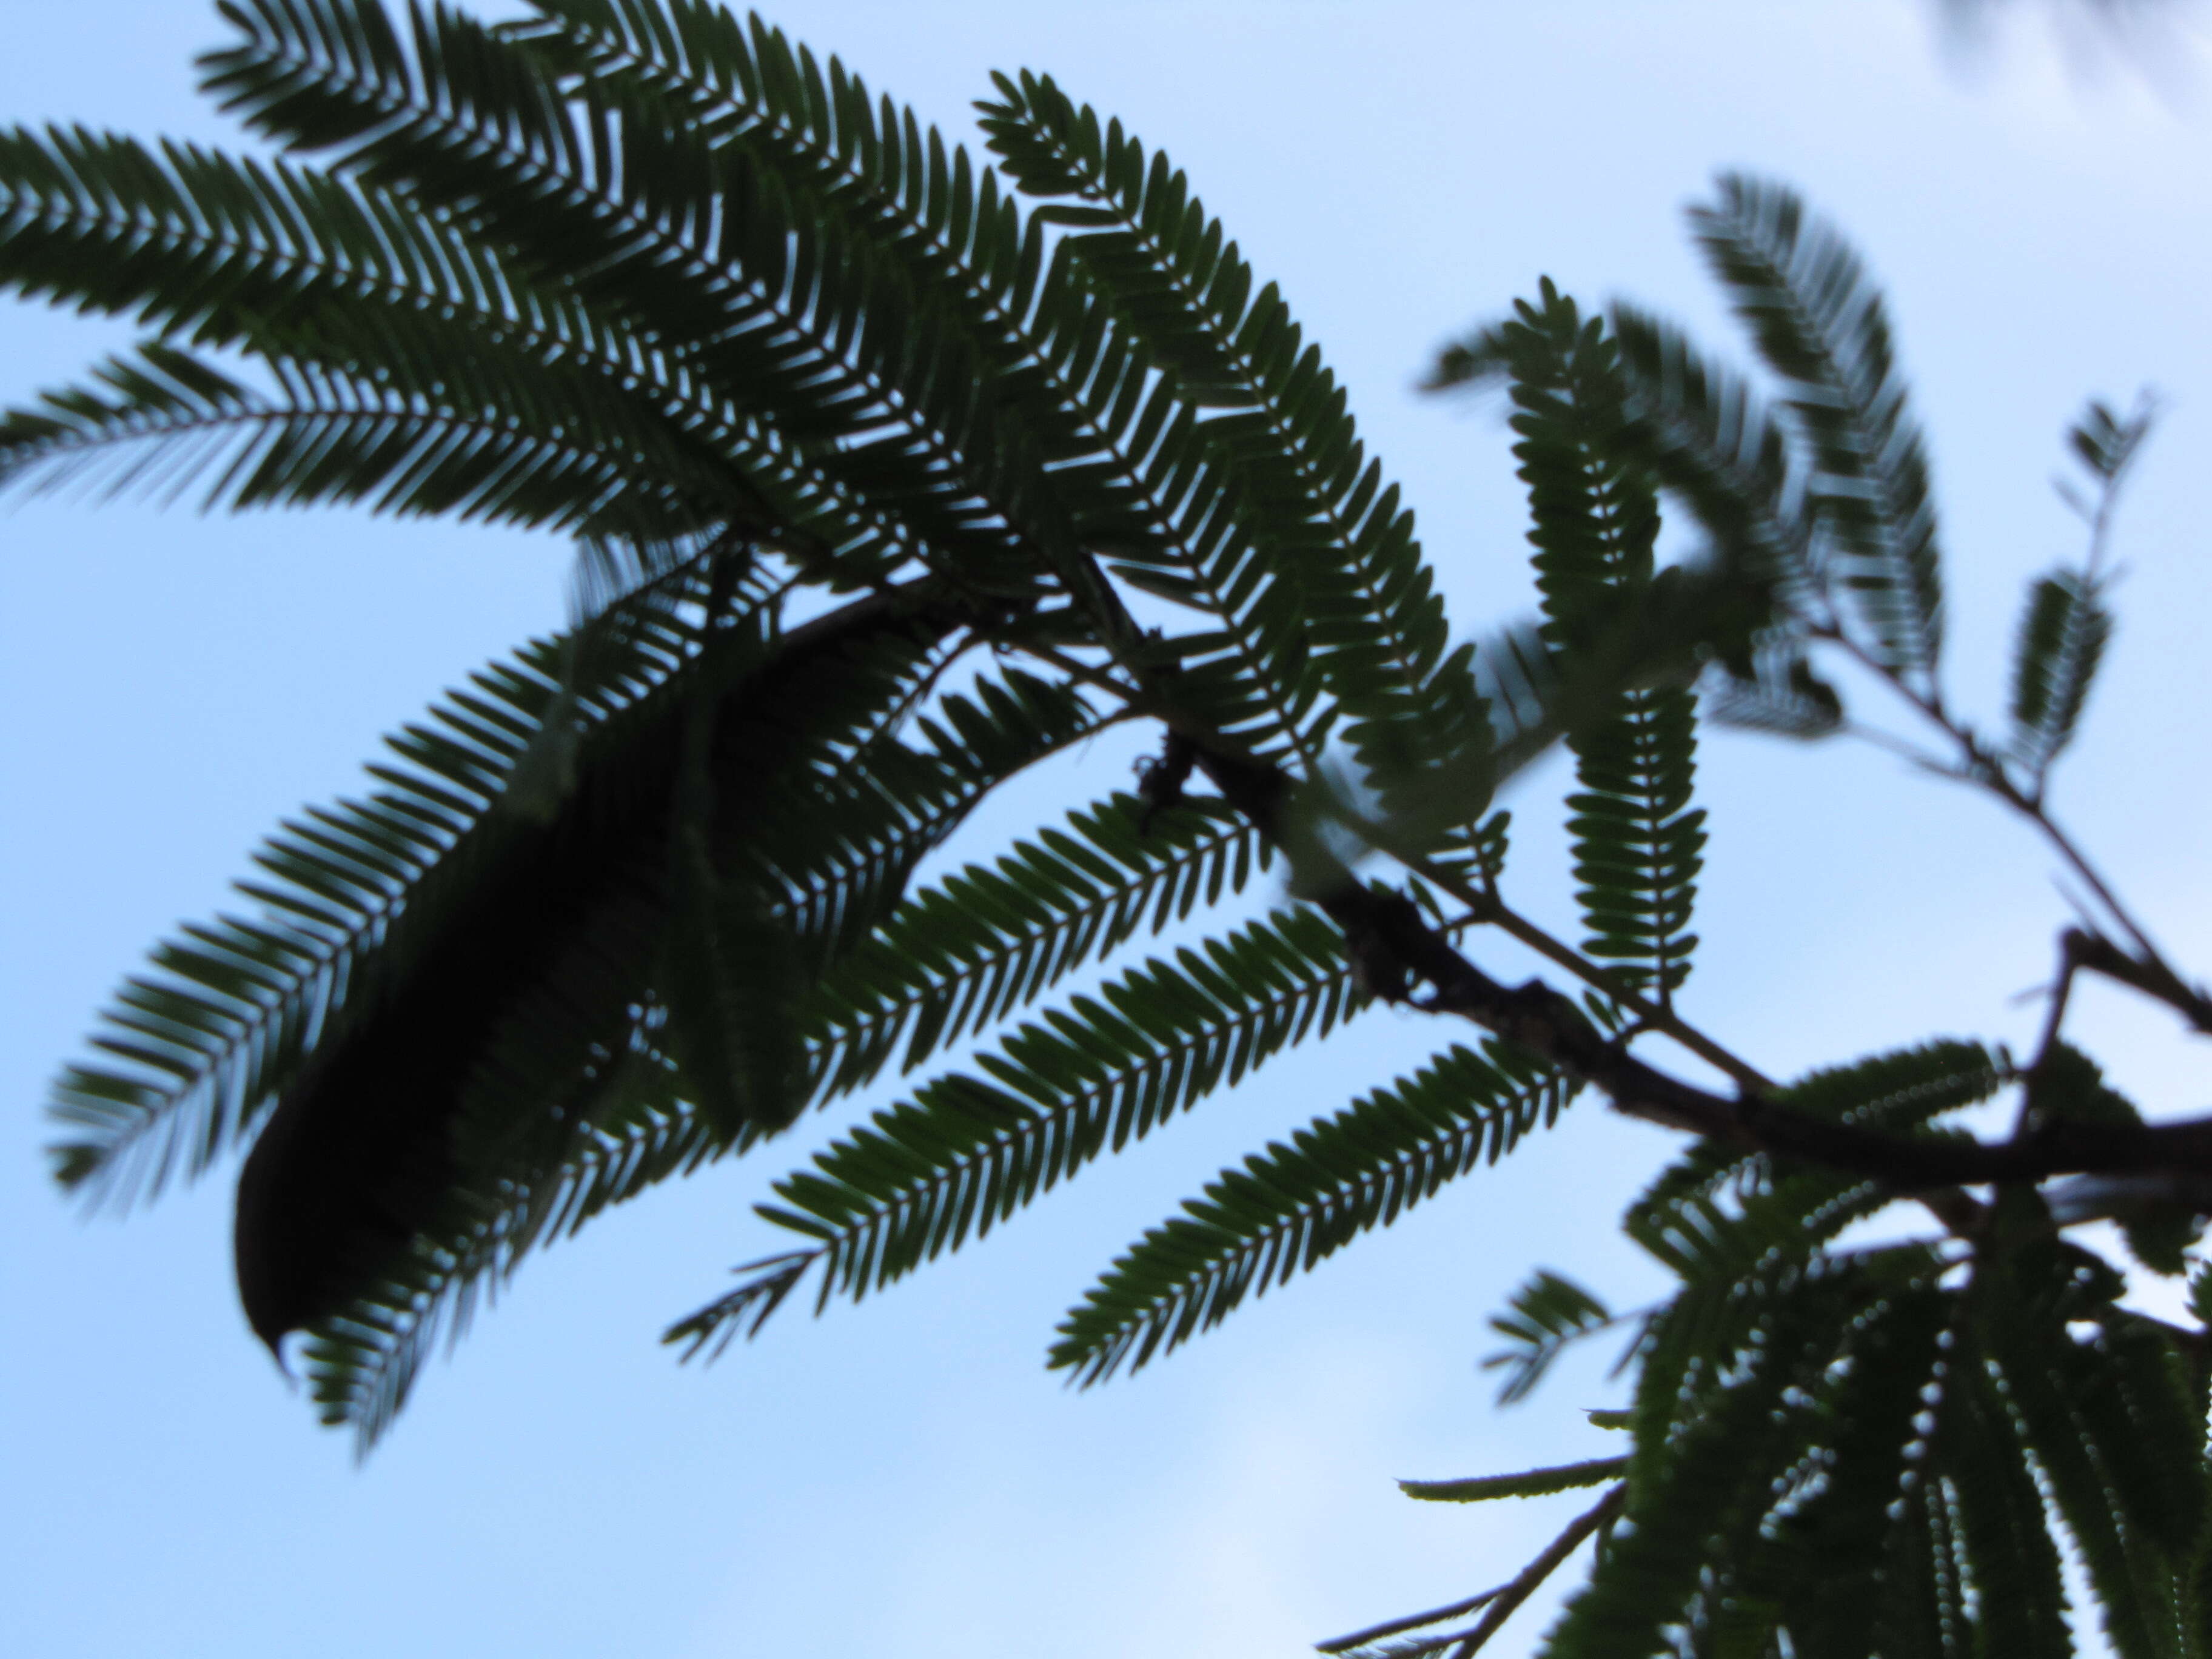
(1389,927)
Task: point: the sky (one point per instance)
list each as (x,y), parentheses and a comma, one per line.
(905,1476)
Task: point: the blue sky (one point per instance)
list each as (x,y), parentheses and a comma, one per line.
(905,1476)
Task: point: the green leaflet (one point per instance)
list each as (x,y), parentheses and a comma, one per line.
(2062,633)
(1900,1091)
(556,455)
(1292,1206)
(814,330)
(2002,1526)
(1711,439)
(1145,481)
(1825,1559)
(970,1152)
(1637,841)
(2117,1429)
(340,286)
(1638,844)
(1699,1478)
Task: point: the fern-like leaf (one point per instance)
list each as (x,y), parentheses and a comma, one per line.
(968,1152)
(1821,323)
(1292,1206)
(2063,634)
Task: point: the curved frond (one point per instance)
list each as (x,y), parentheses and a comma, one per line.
(191,1053)
(1897,1093)
(816,329)
(536,449)
(1543,1319)
(1711,439)
(1293,1206)
(970,1152)
(1637,843)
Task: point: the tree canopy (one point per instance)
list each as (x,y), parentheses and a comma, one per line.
(894,472)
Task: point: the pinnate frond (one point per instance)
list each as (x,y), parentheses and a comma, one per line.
(1819,319)
(970,949)
(968,1151)
(1312,539)
(351,894)
(2064,630)
(1637,843)
(1292,1206)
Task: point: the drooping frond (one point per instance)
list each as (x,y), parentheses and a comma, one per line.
(1638,844)
(548,1137)
(1738,1392)
(2115,1423)
(192,1051)
(1819,322)
(1293,1206)
(1937,1421)
(525,992)
(970,1152)
(1782,695)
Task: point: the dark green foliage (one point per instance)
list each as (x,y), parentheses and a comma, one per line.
(1290,1207)
(1637,843)
(969,1152)
(2065,626)
(1819,321)
(1313,546)
(2063,634)
(897,471)
(971,949)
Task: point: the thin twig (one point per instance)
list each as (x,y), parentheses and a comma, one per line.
(1488,907)
(1504,1602)
(1601,1514)
(1360,1638)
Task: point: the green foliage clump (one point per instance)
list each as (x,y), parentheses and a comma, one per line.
(897,471)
